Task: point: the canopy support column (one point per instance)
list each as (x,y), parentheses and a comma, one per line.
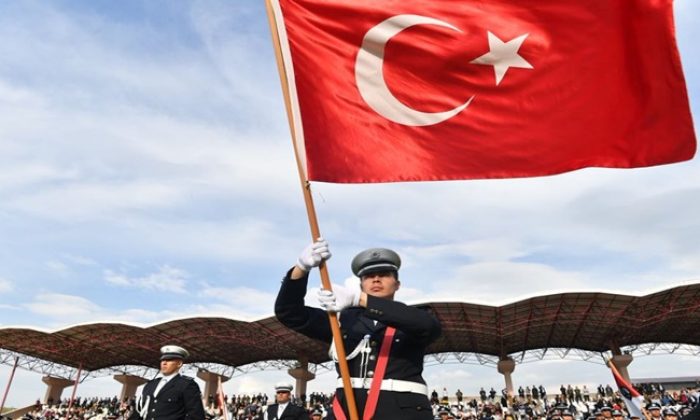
(505,367)
(55,387)
(302,375)
(130,384)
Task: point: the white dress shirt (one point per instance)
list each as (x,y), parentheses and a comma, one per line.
(280,410)
(163,380)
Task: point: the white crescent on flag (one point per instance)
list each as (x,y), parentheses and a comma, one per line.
(369,75)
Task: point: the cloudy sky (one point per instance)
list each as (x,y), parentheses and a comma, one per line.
(148,174)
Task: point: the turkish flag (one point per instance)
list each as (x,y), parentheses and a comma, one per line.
(633,400)
(413,90)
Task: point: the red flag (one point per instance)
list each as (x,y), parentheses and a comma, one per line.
(221,399)
(412,90)
(633,400)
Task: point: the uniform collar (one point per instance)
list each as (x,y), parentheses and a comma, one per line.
(168,377)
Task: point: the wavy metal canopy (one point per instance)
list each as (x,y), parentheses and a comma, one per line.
(587,321)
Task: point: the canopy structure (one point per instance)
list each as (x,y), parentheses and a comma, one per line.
(596,322)
(589,322)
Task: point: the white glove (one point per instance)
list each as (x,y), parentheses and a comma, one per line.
(338,299)
(313,255)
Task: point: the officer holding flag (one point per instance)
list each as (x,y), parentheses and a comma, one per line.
(385,339)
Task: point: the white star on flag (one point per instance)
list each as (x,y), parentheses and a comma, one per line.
(503,55)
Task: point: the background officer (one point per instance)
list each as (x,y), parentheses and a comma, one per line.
(170,396)
(284,409)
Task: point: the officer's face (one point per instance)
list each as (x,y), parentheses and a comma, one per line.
(283,396)
(168,367)
(382,284)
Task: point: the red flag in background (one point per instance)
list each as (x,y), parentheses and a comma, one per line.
(633,400)
(221,399)
(412,90)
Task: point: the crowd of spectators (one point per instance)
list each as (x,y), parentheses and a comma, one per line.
(570,403)
(81,408)
(528,403)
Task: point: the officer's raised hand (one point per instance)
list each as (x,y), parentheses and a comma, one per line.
(338,299)
(311,257)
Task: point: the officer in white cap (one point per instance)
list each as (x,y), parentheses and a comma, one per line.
(368,318)
(654,410)
(170,396)
(284,408)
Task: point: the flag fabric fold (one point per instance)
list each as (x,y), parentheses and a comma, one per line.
(633,400)
(385,91)
(223,410)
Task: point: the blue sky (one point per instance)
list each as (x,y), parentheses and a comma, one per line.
(148,174)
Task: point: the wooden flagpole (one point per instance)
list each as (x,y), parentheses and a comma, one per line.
(313,221)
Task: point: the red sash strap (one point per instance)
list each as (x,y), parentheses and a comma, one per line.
(375,387)
(379,372)
(337,409)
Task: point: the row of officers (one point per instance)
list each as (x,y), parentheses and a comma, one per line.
(172,396)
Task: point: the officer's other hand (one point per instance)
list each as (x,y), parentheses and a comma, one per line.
(338,299)
(313,254)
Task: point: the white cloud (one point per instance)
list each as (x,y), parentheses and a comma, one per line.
(95,200)
(236,302)
(138,316)
(80,260)
(61,306)
(167,278)
(5,285)
(499,281)
(57,310)
(58,268)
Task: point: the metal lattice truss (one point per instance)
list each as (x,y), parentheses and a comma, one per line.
(68,372)
(583,326)
(42,366)
(61,371)
(459,358)
(529,356)
(315,368)
(665,348)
